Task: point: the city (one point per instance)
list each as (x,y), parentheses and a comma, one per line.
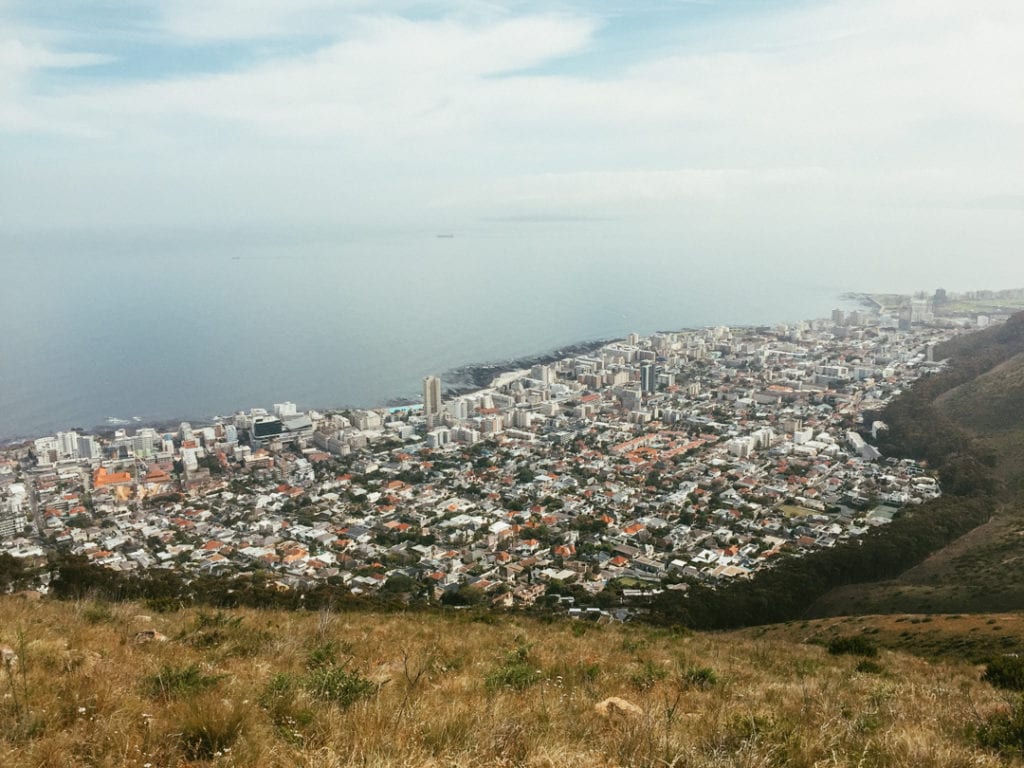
(651,463)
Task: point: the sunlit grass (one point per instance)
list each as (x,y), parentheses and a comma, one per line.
(425,689)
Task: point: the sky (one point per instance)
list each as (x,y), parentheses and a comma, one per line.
(886,135)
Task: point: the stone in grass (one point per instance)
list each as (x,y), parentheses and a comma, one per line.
(150,636)
(614,707)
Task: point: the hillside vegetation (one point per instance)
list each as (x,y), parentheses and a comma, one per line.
(271,688)
(991,403)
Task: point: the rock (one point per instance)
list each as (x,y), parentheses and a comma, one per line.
(7,656)
(614,707)
(149,636)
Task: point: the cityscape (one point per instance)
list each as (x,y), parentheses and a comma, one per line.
(648,464)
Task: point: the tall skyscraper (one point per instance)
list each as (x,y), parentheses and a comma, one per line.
(648,378)
(431,396)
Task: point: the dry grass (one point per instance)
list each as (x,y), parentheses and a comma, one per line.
(447,691)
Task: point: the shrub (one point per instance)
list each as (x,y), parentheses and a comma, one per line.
(517,676)
(208,728)
(647,675)
(325,655)
(337,685)
(516,672)
(699,677)
(1005,672)
(97,613)
(173,681)
(869,667)
(631,644)
(281,688)
(210,630)
(856,645)
(281,698)
(1004,731)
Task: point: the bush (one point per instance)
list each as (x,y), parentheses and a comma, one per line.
(700,677)
(516,672)
(856,645)
(208,728)
(171,681)
(1004,732)
(518,676)
(647,675)
(282,700)
(97,613)
(1005,672)
(338,686)
(869,667)
(326,654)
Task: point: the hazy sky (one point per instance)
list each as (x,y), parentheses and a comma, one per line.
(884,131)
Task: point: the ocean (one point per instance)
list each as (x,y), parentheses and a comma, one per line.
(99,333)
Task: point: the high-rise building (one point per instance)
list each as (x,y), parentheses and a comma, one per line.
(648,378)
(145,442)
(67,445)
(88,448)
(285,409)
(545,374)
(431,396)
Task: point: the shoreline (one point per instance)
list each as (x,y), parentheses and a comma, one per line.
(477,376)
(458,381)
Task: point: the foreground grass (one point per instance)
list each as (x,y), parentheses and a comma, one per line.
(252,688)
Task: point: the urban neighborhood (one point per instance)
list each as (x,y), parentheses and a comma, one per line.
(648,464)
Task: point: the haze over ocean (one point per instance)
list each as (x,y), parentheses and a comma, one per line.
(139,329)
(208,205)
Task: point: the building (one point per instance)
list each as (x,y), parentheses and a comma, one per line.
(431,396)
(88,448)
(265,428)
(648,378)
(284,410)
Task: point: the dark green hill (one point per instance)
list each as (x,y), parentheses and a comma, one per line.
(991,403)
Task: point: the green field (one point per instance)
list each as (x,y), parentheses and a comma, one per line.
(793,510)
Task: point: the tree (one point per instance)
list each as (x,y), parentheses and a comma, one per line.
(13,574)
(463,595)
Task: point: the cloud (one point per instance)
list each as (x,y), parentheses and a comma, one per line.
(204,21)
(399,118)
(19,62)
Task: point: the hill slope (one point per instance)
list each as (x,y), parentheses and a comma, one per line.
(270,688)
(990,403)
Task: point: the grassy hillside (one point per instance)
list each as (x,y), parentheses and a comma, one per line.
(990,408)
(975,637)
(991,403)
(270,688)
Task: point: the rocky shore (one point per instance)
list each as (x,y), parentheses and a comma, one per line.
(468,378)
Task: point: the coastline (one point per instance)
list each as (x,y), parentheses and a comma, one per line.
(462,380)
(28,412)
(458,381)
(476,376)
